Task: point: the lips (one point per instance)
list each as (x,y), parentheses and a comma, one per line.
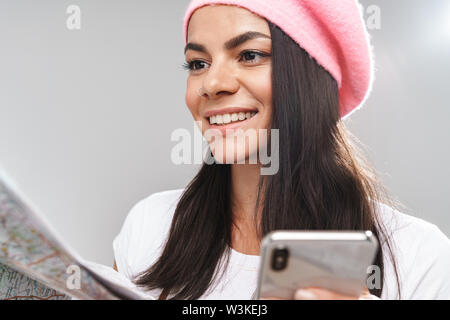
(229,110)
(232,126)
(229,118)
(226,118)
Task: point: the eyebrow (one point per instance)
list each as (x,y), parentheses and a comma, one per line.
(230,44)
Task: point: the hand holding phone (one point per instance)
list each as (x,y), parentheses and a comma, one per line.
(326,265)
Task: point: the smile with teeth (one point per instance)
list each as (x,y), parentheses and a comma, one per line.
(221,119)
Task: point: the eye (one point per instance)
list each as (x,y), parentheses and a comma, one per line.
(194,65)
(252,56)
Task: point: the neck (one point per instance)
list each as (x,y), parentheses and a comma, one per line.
(244,184)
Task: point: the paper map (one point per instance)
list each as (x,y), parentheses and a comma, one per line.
(36,264)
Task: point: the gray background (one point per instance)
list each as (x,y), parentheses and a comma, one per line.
(86,115)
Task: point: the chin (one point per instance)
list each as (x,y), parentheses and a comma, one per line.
(240,155)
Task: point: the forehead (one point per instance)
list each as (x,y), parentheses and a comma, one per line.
(221,22)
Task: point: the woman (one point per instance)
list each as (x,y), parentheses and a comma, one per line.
(298,67)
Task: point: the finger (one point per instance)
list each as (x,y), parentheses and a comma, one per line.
(320,294)
(270,298)
(368,296)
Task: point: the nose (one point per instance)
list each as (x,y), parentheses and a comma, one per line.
(221,79)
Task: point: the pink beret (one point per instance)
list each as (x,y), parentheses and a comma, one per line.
(331,31)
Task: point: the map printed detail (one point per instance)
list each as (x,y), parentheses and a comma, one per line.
(33,259)
(17,286)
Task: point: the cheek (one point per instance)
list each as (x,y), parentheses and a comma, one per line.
(265,88)
(261,89)
(192,99)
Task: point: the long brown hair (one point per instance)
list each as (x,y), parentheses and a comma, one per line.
(323,182)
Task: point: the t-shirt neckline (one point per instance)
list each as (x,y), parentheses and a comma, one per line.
(244,259)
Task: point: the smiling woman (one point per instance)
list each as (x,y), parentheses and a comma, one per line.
(254,67)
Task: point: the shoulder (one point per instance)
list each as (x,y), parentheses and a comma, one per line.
(157,206)
(143,232)
(414,230)
(422,253)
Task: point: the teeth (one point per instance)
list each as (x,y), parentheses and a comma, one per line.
(230,117)
(226,118)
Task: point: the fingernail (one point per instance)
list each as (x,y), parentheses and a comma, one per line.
(302,294)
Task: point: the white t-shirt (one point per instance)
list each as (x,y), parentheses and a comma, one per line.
(422,253)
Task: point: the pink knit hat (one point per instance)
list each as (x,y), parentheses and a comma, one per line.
(331,31)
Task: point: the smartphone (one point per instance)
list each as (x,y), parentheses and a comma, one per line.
(333,260)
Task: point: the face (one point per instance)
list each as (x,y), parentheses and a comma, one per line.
(228,56)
